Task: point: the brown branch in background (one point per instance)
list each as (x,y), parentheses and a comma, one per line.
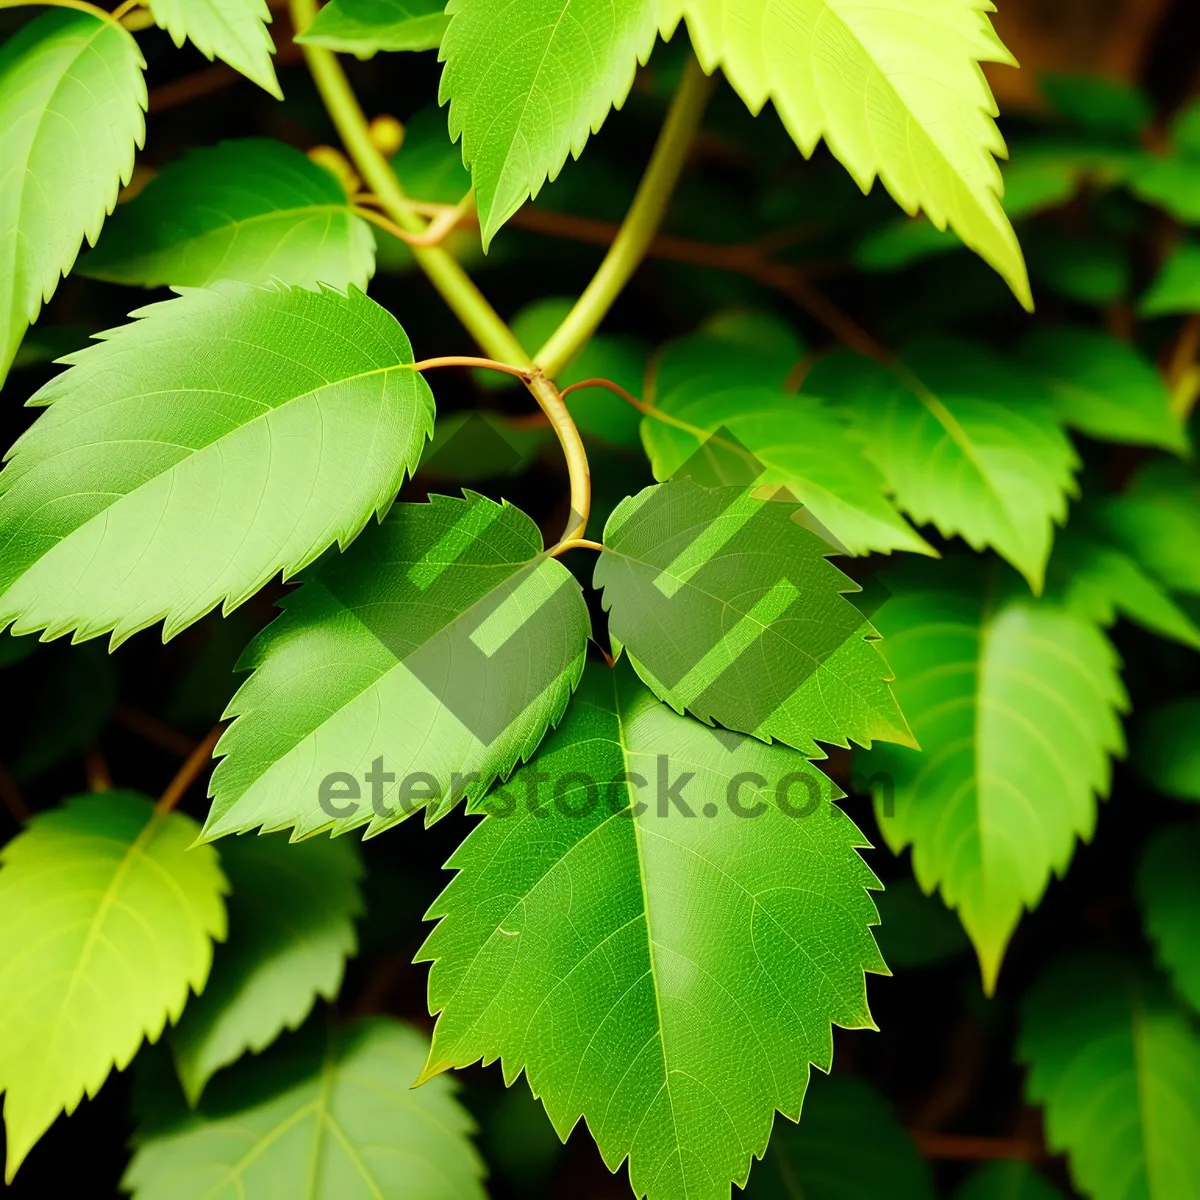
(966,1054)
(954,1147)
(211,79)
(11,797)
(194,765)
(750,259)
(99,778)
(1181,371)
(151,729)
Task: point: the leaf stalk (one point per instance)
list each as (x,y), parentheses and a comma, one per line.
(640,225)
(464,299)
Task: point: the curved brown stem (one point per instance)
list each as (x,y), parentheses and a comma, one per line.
(187,774)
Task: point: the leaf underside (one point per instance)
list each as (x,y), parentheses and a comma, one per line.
(341,1122)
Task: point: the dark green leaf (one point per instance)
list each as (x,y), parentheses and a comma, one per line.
(252,210)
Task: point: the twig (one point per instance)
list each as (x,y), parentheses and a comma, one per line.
(11,797)
(469,360)
(448,218)
(975,1149)
(746,259)
(575,544)
(550,401)
(151,729)
(616,388)
(187,774)
(1181,374)
(99,778)
(209,80)
(644,216)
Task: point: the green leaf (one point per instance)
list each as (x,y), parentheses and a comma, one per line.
(731,348)
(106,920)
(964,441)
(1168,886)
(335,1122)
(895,90)
(1093,271)
(72,94)
(1173,184)
(1176,288)
(364,27)
(822,1158)
(651,969)
(1095,579)
(251,210)
(1015,704)
(1103,387)
(291,928)
(1116,1066)
(564,63)
(1105,107)
(1157,520)
(440,648)
(232,30)
(236,432)
(802,445)
(1012,1180)
(477,444)
(1167,750)
(916,930)
(732,377)
(903,242)
(1185,130)
(728,607)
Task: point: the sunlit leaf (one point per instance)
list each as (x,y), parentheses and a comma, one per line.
(106,922)
(599,937)
(364,27)
(72,95)
(895,90)
(182,416)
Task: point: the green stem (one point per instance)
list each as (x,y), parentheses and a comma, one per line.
(452,282)
(640,224)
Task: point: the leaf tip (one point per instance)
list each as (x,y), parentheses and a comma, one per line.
(432,1069)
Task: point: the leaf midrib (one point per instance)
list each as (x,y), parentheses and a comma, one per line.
(651,945)
(118,497)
